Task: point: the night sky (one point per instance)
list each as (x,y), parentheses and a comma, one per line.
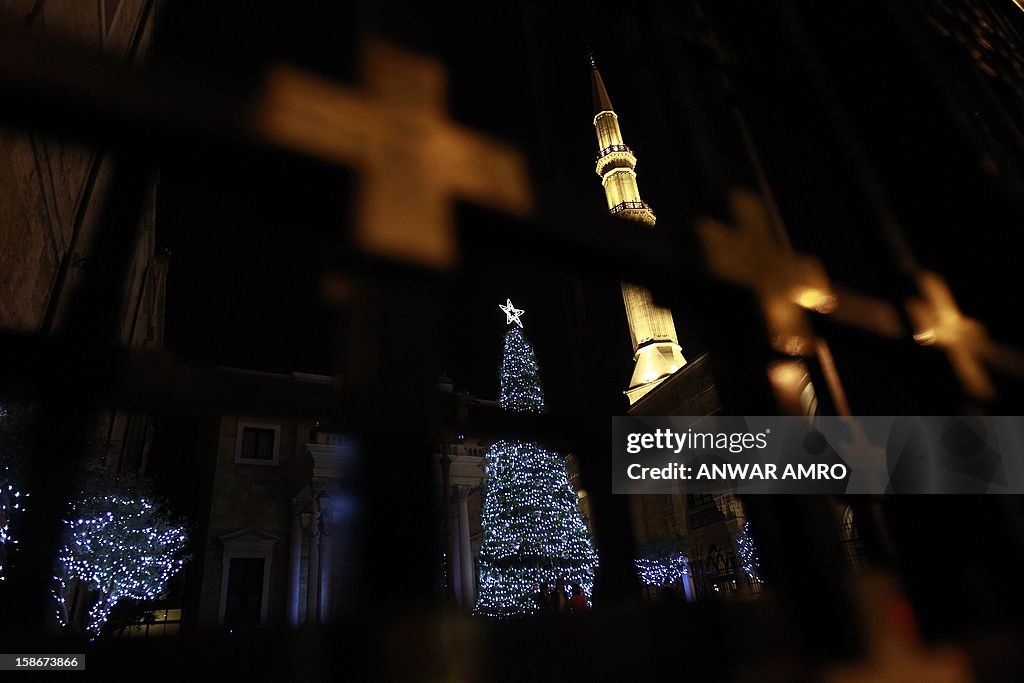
(252,233)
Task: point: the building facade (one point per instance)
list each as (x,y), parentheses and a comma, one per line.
(460,459)
(51,201)
(277,514)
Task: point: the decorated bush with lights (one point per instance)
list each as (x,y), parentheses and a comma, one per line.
(13,435)
(10,505)
(663,570)
(533,530)
(118,546)
(747,550)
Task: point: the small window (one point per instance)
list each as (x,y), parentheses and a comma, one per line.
(694,500)
(257,444)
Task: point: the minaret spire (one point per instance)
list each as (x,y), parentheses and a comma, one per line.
(656,350)
(602,102)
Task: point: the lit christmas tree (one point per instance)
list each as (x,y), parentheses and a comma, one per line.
(533,531)
(118,546)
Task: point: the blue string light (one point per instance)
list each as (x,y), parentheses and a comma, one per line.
(663,571)
(120,547)
(747,550)
(10,504)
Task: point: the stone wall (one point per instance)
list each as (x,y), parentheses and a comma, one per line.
(51,190)
(251,496)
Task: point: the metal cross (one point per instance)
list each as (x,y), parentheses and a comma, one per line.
(937,320)
(784,281)
(413,162)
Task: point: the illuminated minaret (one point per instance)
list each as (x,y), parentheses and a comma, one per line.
(656,351)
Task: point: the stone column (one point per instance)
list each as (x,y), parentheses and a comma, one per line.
(294,565)
(466,551)
(456,565)
(312,571)
(324,559)
(688,588)
(446,520)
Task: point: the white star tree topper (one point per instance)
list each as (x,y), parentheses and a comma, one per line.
(511,313)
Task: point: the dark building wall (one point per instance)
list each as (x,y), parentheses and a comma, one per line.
(52,193)
(250,496)
(52,189)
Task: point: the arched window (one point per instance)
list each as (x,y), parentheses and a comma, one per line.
(853,545)
(719,573)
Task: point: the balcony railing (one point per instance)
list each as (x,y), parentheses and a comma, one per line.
(622,206)
(613,148)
